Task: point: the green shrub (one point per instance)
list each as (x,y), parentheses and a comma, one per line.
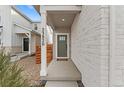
(10,73)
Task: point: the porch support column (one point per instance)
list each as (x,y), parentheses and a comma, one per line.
(29,43)
(43,71)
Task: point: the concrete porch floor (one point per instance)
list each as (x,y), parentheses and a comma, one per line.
(63,70)
(62,74)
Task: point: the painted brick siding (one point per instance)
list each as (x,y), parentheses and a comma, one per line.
(89,44)
(119,47)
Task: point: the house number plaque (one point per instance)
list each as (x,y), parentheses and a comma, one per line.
(43,38)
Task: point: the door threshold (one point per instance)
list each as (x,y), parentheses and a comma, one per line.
(62,59)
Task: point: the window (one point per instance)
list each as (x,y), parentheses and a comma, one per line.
(62,38)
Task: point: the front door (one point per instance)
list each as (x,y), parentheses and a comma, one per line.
(62,46)
(26,44)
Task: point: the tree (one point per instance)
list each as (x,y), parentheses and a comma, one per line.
(10,73)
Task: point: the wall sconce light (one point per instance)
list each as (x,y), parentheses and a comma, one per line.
(63,20)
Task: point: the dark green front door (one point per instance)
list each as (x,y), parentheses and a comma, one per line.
(62,45)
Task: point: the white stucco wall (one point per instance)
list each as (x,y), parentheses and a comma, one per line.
(89,44)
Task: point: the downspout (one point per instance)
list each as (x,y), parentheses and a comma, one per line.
(111,60)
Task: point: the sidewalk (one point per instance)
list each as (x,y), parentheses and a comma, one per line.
(61,84)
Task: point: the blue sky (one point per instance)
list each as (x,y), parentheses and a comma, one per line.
(30,12)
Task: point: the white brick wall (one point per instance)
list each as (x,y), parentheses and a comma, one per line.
(89,44)
(118,75)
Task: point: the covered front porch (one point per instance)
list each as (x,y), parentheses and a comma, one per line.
(61,69)
(63,73)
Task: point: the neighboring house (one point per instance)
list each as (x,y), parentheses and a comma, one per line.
(92,38)
(19,34)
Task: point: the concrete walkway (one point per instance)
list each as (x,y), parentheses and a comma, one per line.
(62,74)
(61,84)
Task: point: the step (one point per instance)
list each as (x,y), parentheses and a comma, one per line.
(61,84)
(15,58)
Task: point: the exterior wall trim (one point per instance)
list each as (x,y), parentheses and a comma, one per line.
(23,44)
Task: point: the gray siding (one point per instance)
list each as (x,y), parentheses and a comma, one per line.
(17,38)
(6,19)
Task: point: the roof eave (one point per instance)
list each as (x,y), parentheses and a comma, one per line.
(37,7)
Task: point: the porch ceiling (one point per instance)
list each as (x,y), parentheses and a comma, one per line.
(62,18)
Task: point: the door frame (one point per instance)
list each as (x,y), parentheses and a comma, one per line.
(67,45)
(23,44)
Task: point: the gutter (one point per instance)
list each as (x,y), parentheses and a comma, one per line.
(23,27)
(33,31)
